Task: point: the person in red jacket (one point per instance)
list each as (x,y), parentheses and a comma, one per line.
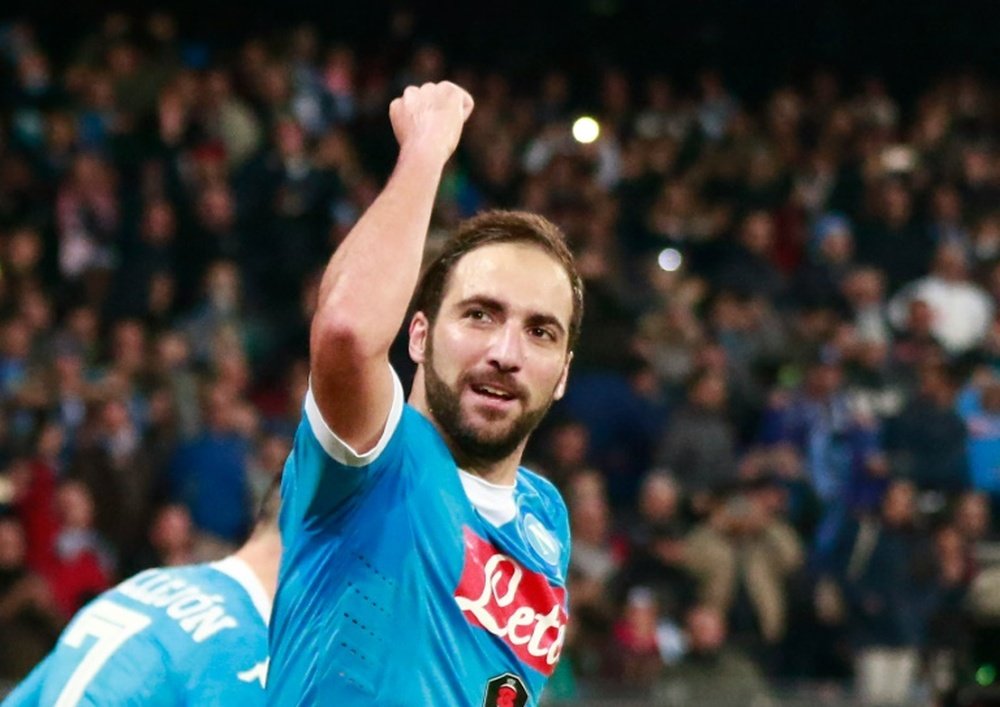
(80,566)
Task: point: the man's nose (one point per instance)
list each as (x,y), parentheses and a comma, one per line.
(507,348)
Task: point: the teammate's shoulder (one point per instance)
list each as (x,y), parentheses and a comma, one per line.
(202,572)
(151,576)
(158,584)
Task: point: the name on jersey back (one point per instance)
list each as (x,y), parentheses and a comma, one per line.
(199,614)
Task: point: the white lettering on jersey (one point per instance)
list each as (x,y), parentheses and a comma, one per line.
(257,672)
(198,614)
(513,603)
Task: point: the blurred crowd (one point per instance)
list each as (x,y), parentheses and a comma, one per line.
(780,446)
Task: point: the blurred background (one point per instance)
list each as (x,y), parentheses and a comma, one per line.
(780,446)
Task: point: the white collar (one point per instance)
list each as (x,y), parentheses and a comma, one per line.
(495,502)
(240,571)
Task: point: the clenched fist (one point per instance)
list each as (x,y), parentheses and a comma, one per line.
(429,119)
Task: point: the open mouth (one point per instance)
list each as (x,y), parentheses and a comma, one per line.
(493,392)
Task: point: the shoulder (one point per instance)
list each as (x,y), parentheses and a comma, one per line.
(137,586)
(163,574)
(545,518)
(245,588)
(542,491)
(416,427)
(417,441)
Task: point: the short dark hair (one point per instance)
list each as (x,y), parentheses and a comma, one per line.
(491,227)
(270,504)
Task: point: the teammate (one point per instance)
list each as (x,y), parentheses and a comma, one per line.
(423,565)
(194,635)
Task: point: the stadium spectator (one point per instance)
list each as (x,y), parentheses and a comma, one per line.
(30,620)
(820,254)
(712,672)
(927,441)
(656,548)
(81,564)
(884,564)
(699,442)
(208,474)
(961,310)
(742,556)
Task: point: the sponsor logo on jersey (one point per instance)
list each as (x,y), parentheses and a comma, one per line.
(541,540)
(513,603)
(505,690)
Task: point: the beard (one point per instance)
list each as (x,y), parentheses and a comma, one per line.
(471,443)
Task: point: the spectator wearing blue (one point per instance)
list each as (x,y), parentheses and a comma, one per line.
(980,408)
(842,451)
(830,259)
(208,474)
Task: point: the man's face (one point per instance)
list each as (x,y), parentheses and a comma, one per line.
(496,356)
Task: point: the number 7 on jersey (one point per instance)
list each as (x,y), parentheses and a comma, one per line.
(109,623)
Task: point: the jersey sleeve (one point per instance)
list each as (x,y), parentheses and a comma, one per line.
(29,692)
(323,471)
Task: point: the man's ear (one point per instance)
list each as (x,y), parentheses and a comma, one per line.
(561,385)
(419,330)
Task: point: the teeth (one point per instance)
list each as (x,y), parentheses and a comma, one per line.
(494,391)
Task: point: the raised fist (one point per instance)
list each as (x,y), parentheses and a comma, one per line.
(430,118)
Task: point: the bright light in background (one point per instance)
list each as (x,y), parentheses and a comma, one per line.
(586,130)
(669,259)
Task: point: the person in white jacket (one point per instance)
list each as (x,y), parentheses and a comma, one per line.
(963,311)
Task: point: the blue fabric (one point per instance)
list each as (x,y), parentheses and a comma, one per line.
(166,637)
(984,442)
(395,591)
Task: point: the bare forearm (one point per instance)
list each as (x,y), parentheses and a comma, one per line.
(369,281)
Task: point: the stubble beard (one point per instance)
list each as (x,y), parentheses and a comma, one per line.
(471,444)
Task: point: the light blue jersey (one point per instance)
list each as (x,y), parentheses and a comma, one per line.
(192,635)
(406,581)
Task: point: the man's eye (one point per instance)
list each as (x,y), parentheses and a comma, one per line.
(542,333)
(478,315)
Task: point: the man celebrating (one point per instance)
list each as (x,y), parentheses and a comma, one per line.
(423,565)
(194,635)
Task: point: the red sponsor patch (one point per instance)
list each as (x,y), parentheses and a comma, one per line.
(500,595)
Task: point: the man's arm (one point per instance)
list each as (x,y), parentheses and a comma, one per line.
(369,281)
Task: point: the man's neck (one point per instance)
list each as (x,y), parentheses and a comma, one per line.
(502,473)
(261,553)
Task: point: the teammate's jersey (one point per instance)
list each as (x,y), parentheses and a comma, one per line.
(405,581)
(193,635)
